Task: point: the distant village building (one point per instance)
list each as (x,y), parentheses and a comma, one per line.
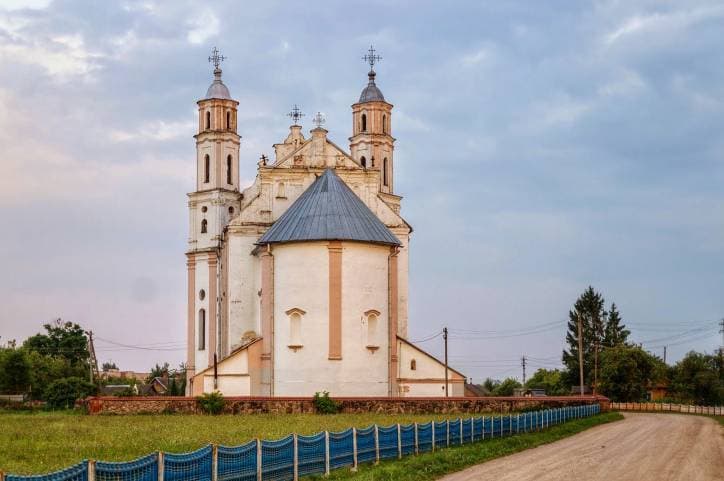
(298,283)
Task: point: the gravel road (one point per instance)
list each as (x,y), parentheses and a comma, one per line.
(642,447)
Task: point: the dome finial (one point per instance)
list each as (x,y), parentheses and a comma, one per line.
(371,93)
(217,90)
(216,59)
(371,58)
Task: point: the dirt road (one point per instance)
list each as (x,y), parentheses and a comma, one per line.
(642,447)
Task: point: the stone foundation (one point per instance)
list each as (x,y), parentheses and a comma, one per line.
(289,405)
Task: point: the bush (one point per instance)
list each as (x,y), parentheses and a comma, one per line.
(325,404)
(211,402)
(63,393)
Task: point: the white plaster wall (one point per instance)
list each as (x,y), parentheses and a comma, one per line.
(428,369)
(301,274)
(202,282)
(236,385)
(243,288)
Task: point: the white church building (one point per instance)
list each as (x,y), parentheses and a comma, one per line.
(298,283)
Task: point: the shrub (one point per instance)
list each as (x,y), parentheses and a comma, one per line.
(325,404)
(211,402)
(63,393)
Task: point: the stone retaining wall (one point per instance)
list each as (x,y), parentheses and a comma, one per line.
(290,405)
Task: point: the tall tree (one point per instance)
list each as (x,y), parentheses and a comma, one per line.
(699,378)
(549,379)
(590,306)
(626,373)
(14,372)
(62,339)
(615,333)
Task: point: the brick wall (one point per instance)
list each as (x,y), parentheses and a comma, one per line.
(290,405)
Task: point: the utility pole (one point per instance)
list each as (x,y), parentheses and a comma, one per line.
(522,363)
(444,336)
(580,351)
(664,354)
(721,330)
(93,361)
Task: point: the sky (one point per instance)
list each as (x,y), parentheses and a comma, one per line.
(542,147)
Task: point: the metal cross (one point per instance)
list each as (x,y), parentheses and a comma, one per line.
(319,119)
(215,58)
(295,114)
(371,58)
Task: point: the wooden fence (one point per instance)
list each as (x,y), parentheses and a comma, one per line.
(668,407)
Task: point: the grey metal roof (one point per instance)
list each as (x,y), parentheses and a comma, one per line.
(371,93)
(328,210)
(217,90)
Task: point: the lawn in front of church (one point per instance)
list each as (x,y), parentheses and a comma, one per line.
(39,442)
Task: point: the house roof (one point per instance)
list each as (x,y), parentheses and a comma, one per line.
(328,210)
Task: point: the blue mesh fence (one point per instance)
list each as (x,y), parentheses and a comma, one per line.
(478,428)
(277,459)
(237,463)
(455,432)
(424,437)
(341,449)
(311,454)
(366,445)
(78,472)
(141,469)
(506,420)
(468,430)
(407,439)
(441,434)
(387,442)
(487,427)
(193,466)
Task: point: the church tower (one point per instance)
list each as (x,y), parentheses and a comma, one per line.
(372,144)
(214,202)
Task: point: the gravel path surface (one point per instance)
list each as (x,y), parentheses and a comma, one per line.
(642,447)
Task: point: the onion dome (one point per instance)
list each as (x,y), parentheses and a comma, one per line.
(371,93)
(217,90)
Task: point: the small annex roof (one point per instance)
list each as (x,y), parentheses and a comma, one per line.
(328,210)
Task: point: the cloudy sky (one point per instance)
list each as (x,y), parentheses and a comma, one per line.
(542,147)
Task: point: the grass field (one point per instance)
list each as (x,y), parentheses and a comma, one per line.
(35,443)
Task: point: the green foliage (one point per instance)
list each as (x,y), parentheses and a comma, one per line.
(615,333)
(158,371)
(626,373)
(506,387)
(211,402)
(14,371)
(490,384)
(325,404)
(699,378)
(62,393)
(63,339)
(108,365)
(551,380)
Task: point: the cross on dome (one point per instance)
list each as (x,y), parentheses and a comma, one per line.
(295,114)
(215,58)
(371,58)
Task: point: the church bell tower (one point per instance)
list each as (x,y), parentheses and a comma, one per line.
(372,144)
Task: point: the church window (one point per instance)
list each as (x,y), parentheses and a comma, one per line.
(208,120)
(204,209)
(228,170)
(372,328)
(231,210)
(363,161)
(202,329)
(364,122)
(385,180)
(204,225)
(207,168)
(202,294)
(228,120)
(281,191)
(384,124)
(413,365)
(295,327)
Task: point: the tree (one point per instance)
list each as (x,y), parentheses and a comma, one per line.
(490,385)
(63,339)
(551,380)
(63,393)
(699,378)
(108,365)
(615,333)
(14,371)
(506,387)
(590,306)
(158,371)
(627,372)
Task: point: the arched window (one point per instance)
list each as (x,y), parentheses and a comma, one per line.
(202,329)
(295,327)
(413,365)
(281,190)
(372,328)
(384,124)
(228,119)
(385,180)
(228,170)
(208,120)
(364,122)
(204,224)
(363,161)
(207,168)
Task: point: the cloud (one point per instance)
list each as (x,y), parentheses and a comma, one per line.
(204,26)
(158,130)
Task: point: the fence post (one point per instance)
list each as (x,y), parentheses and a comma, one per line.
(2,475)
(399,442)
(377,445)
(417,447)
(91,470)
(160,466)
(447,425)
(462,437)
(258,459)
(296,458)
(214,462)
(501,426)
(517,424)
(326,452)
(472,429)
(482,433)
(433,436)
(354,448)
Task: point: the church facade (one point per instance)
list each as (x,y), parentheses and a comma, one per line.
(298,283)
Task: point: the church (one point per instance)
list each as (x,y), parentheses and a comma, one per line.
(298,283)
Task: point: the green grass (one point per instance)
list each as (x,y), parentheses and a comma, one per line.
(430,466)
(35,443)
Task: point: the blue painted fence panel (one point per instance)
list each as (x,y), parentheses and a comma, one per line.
(468,430)
(341,449)
(141,469)
(387,442)
(424,437)
(277,459)
(311,454)
(78,472)
(478,428)
(237,463)
(441,434)
(488,427)
(455,432)
(407,439)
(366,445)
(193,466)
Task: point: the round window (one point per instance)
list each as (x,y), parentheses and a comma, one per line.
(202,294)
(204,209)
